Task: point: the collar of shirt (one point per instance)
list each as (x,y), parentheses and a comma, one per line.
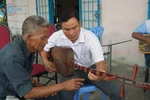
(23,45)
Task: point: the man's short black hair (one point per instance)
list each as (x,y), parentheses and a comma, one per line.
(67,14)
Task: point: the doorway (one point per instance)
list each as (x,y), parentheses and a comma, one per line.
(61,5)
(89,10)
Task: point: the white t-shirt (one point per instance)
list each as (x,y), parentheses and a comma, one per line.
(87,48)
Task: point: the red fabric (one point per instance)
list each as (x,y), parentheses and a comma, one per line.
(52,29)
(38,69)
(4,36)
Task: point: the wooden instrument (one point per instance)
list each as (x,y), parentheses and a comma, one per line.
(60,55)
(125,80)
(144,47)
(63,57)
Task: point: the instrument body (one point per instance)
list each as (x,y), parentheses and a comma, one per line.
(60,55)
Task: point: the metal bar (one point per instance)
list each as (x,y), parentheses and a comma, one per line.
(42,8)
(36,55)
(37,7)
(80,11)
(92,13)
(110,52)
(45,8)
(109,58)
(88,13)
(148,9)
(98,8)
(84,14)
(117,43)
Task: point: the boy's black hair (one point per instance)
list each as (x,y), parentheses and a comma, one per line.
(67,14)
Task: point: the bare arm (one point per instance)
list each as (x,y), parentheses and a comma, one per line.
(38,92)
(140,37)
(101,65)
(44,55)
(44,91)
(48,65)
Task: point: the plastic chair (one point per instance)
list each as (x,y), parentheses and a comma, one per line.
(88,88)
(98,31)
(5,35)
(39,69)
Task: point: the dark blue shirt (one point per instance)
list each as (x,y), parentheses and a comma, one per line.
(15,68)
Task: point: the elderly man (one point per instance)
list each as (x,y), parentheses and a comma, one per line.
(16,60)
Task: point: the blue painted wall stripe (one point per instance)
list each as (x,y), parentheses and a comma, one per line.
(148,9)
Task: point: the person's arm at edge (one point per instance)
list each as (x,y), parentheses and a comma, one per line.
(101,65)
(44,91)
(44,55)
(47,63)
(139,36)
(38,92)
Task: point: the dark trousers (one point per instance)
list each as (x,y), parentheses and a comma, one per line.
(110,88)
(2,98)
(147,65)
(147,57)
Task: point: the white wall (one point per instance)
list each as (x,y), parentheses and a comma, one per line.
(27,8)
(119,19)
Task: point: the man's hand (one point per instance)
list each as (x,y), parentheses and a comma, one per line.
(35,83)
(139,36)
(93,77)
(49,66)
(101,66)
(73,84)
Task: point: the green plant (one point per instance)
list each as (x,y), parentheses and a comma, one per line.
(3,19)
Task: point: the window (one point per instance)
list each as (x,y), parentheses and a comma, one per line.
(89,10)
(45,8)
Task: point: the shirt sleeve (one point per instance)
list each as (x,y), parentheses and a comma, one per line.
(141,29)
(18,76)
(51,43)
(96,49)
